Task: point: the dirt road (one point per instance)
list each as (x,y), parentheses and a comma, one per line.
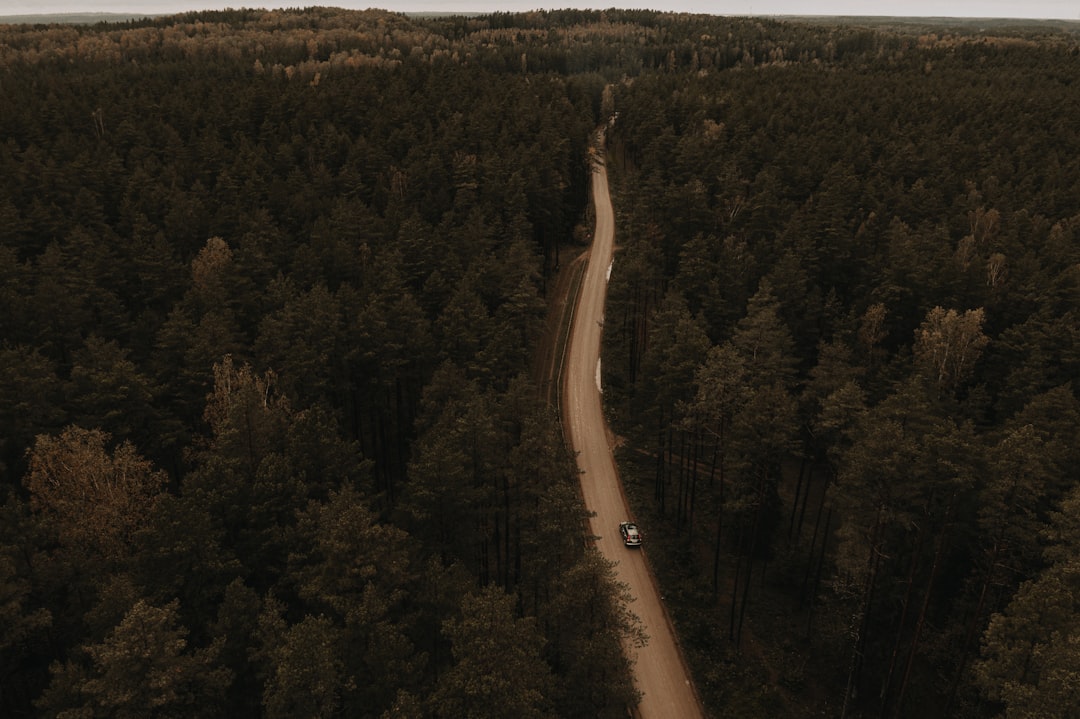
(659,669)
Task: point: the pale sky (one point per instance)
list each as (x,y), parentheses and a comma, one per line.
(1044,9)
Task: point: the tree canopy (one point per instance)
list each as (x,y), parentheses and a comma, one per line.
(271,288)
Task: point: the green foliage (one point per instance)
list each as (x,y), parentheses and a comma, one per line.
(24,623)
(297,281)
(32,403)
(1029,650)
(306,678)
(144,664)
(497,667)
(887,391)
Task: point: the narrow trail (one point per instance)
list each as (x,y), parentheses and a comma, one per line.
(659,669)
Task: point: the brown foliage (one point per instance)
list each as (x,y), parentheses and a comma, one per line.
(97,499)
(948,344)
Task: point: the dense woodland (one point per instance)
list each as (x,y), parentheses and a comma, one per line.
(271,442)
(844,326)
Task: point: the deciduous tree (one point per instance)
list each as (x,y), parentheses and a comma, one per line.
(97,499)
(948,344)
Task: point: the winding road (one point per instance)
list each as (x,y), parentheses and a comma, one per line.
(659,669)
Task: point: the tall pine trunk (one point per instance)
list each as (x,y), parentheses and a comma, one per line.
(861,620)
(942,543)
(909,591)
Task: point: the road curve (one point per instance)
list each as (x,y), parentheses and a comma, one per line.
(659,670)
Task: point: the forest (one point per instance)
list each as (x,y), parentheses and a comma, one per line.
(273,440)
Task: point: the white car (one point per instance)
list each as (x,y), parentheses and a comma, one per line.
(631,537)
